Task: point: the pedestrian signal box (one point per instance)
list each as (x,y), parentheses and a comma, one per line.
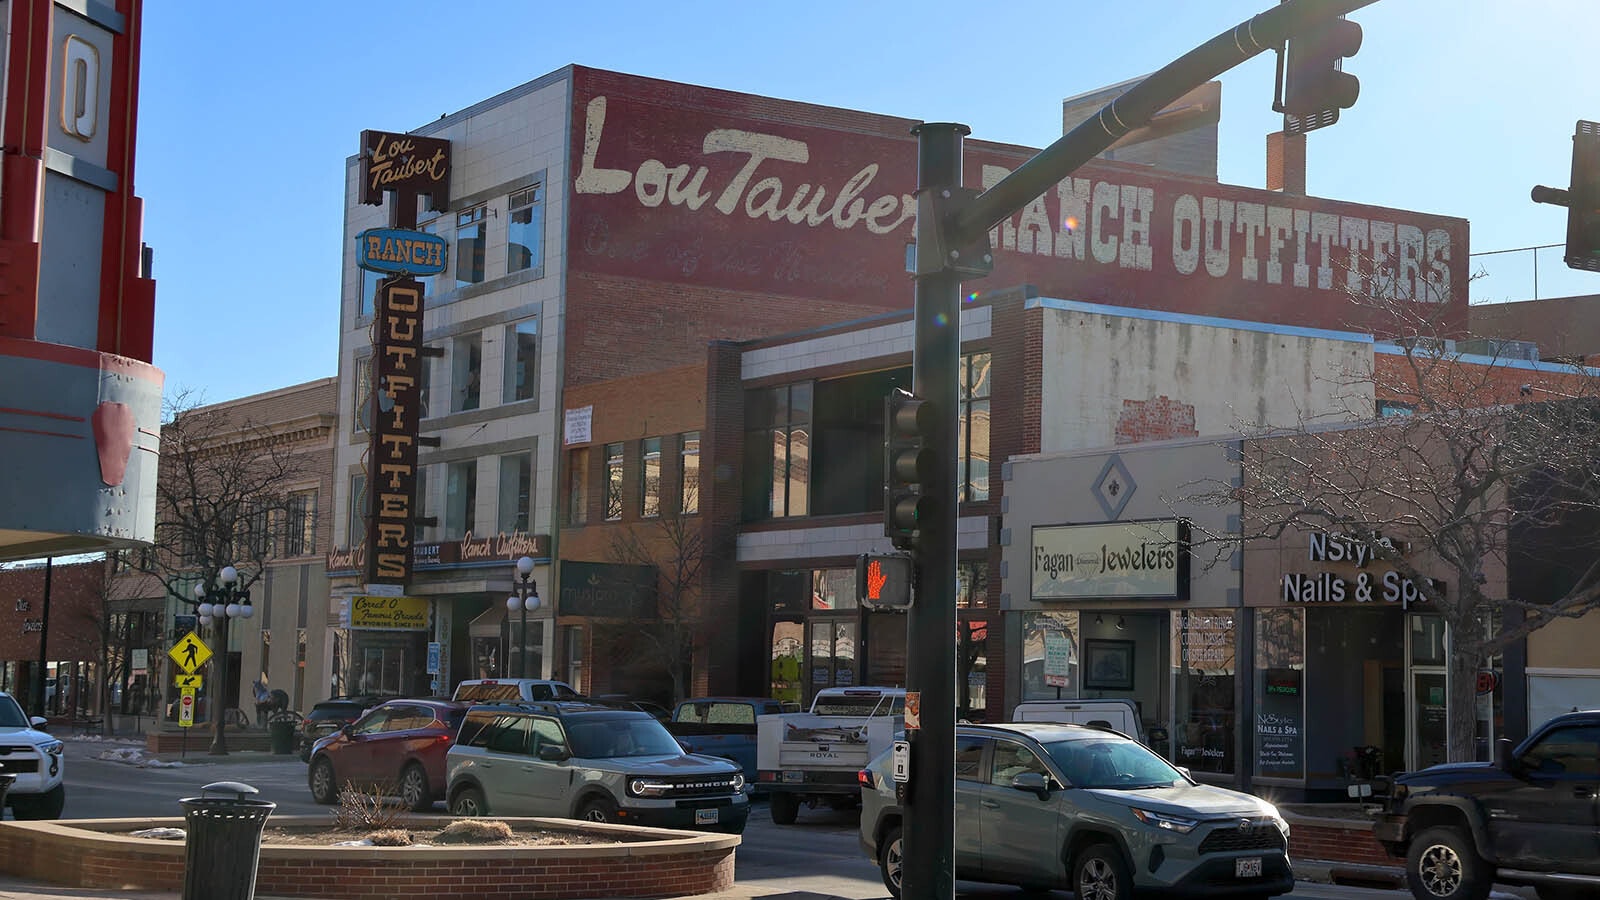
(884,580)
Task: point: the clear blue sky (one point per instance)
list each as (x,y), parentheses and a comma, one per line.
(1465,104)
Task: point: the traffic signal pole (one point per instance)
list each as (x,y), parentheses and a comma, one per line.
(952,241)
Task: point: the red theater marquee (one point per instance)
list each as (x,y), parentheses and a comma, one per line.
(726,190)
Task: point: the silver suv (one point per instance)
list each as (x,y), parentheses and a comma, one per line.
(583,761)
(1054,806)
(35,760)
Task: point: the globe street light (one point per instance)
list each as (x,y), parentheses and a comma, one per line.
(223,601)
(525,598)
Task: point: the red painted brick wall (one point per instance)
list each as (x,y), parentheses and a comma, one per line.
(1159,419)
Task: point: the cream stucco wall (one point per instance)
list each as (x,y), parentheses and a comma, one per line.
(1236,376)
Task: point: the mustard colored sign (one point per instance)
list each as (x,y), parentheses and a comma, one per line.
(190,653)
(186,709)
(389,613)
(186,681)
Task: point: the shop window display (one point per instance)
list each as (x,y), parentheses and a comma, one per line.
(1203,672)
(1280,664)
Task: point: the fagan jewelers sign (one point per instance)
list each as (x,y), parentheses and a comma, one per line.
(1121,559)
(389,613)
(399,251)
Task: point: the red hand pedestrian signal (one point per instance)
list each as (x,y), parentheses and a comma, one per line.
(875,580)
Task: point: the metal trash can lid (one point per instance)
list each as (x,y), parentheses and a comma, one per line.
(238,789)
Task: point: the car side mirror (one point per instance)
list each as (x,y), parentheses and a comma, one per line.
(553,753)
(1033,782)
(39,723)
(1184,771)
(1503,759)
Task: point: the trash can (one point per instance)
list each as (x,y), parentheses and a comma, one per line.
(6,781)
(283,725)
(223,842)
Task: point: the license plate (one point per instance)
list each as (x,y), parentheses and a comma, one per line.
(1247,867)
(794,777)
(709,817)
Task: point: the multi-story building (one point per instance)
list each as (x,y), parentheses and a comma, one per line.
(279,542)
(606,228)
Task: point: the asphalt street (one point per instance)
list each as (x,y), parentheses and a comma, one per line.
(817,858)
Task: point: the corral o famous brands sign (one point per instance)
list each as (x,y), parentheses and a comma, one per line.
(721,189)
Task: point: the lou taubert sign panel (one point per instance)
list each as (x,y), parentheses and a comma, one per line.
(1120,559)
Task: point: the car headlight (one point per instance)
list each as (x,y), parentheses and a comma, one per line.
(1165,821)
(54,748)
(644,787)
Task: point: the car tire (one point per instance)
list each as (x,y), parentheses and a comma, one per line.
(414,792)
(598,809)
(47,805)
(324,785)
(891,860)
(1443,864)
(785,807)
(1099,873)
(469,802)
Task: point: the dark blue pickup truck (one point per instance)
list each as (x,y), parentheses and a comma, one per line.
(724,727)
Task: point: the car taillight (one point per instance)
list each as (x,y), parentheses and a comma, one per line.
(865,779)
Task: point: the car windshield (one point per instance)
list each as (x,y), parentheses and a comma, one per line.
(600,738)
(11,715)
(1111,764)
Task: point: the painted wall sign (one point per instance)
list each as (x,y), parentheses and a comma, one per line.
(1117,559)
(396,417)
(389,613)
(608,590)
(725,190)
(400,251)
(410,166)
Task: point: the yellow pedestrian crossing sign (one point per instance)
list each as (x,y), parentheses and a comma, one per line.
(190,653)
(186,681)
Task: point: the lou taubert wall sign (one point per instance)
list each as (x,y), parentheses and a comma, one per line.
(1118,559)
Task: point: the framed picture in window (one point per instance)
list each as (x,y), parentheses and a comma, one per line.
(1108,665)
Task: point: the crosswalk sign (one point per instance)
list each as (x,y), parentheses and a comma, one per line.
(186,681)
(190,653)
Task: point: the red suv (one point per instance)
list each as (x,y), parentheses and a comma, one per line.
(397,747)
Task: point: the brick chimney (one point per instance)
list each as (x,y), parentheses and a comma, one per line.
(1286,163)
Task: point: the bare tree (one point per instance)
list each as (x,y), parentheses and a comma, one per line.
(222,498)
(1477,462)
(676,548)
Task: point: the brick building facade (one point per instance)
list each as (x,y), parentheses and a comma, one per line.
(66,605)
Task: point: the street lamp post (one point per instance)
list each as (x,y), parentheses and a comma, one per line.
(525,598)
(222,602)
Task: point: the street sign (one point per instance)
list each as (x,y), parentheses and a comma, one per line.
(902,762)
(186,681)
(186,709)
(433,657)
(1057,659)
(190,653)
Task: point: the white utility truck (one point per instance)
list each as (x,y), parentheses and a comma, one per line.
(814,757)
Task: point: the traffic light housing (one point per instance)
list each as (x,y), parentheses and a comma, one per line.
(908,457)
(885,580)
(1583,199)
(1311,78)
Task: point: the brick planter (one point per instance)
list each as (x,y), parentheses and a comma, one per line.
(643,862)
(1335,840)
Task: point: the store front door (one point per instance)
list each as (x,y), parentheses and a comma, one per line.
(1426,646)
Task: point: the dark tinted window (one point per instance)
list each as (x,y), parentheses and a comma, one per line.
(969,758)
(620,735)
(1566,752)
(508,734)
(342,711)
(472,726)
(408,718)
(11,715)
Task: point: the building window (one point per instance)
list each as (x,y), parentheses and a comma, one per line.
(516,491)
(369,292)
(1391,408)
(362,398)
(1280,719)
(425,533)
(428,281)
(1203,672)
(471,241)
(356,532)
(525,231)
(578,486)
(613,482)
(467,375)
(650,477)
(778,448)
(522,361)
(461,499)
(424,385)
(1049,655)
(299,531)
(973,429)
(689,466)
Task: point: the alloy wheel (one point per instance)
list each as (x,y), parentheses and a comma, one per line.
(892,863)
(1097,881)
(1440,870)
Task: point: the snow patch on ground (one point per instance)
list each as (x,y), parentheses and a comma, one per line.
(135,756)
